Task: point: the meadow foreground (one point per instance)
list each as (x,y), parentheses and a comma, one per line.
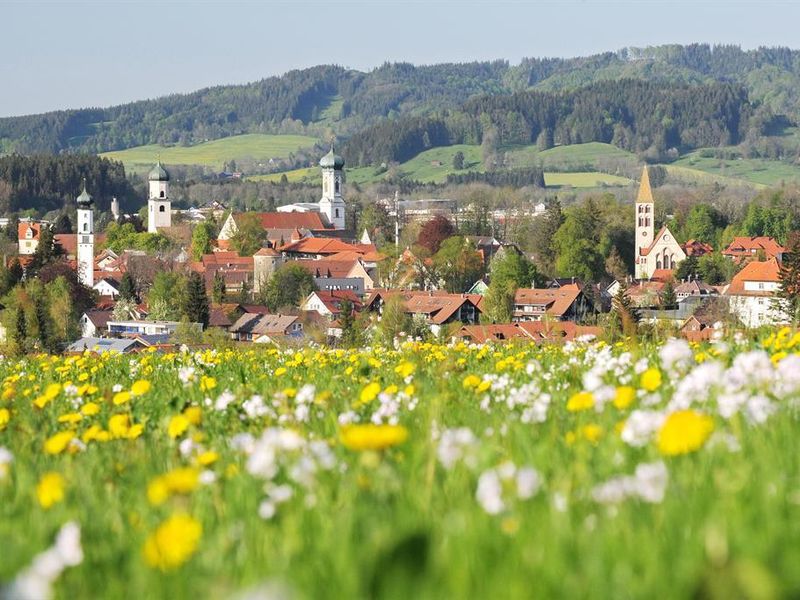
(587,470)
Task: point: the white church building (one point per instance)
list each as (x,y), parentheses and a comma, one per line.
(654,251)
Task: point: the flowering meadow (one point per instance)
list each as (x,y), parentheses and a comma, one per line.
(429,471)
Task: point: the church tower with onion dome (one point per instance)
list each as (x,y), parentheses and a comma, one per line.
(332,202)
(159,207)
(85,238)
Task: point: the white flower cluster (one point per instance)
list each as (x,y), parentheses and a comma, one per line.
(35,582)
(280,453)
(456,445)
(499,487)
(648,483)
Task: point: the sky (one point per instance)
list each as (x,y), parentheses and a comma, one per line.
(66,54)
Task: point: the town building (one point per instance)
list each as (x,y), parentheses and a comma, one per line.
(536,331)
(752,294)
(653,250)
(29,234)
(759,248)
(266,328)
(567,303)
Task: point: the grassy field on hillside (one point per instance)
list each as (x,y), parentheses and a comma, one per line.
(755,170)
(213,154)
(584,180)
(576,156)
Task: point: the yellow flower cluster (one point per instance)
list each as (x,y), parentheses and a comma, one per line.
(183,480)
(683,432)
(173,542)
(372,437)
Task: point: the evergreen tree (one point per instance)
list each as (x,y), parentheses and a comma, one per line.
(288,286)
(669,300)
(687,268)
(347,322)
(43,326)
(15,273)
(201,240)
(12,229)
(63,224)
(624,315)
(458,160)
(45,250)
(127,288)
(20,329)
(788,295)
(196,307)
(218,290)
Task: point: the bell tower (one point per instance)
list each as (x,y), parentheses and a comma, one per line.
(85,238)
(332,202)
(645,226)
(159,207)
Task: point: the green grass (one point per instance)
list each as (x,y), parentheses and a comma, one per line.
(576,156)
(400,521)
(213,154)
(584,180)
(754,170)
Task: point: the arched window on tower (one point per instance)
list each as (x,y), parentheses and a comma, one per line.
(336,185)
(161,208)
(337,213)
(162,194)
(86,227)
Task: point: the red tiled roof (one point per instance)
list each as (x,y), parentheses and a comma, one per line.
(696,248)
(288,220)
(333,298)
(767,271)
(750,246)
(320,246)
(327,268)
(22,230)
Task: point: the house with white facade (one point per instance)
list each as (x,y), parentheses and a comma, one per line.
(752,294)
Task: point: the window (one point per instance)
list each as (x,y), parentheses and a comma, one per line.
(161,195)
(161,208)
(86,227)
(761,285)
(337,186)
(337,213)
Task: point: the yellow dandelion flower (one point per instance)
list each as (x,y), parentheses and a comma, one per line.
(591,432)
(70,417)
(173,542)
(280,371)
(135,431)
(57,443)
(471,381)
(122,397)
(95,433)
(580,401)
(90,409)
(651,379)
(83,377)
(194,414)
(369,393)
(372,437)
(8,393)
(683,432)
(404,369)
(50,489)
(5,417)
(140,388)
(177,426)
(207,383)
(118,426)
(624,397)
(207,458)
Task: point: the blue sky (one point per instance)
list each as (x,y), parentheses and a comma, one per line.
(64,54)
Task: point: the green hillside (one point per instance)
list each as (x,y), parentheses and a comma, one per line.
(213,154)
(754,170)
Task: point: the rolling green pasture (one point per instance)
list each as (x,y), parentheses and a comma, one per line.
(213,154)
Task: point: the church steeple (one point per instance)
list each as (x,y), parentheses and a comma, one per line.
(332,202)
(85,236)
(645,225)
(159,206)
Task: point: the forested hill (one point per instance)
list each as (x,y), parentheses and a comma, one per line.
(325,98)
(652,119)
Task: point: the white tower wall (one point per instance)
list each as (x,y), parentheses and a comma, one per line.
(332,202)
(86,246)
(159,207)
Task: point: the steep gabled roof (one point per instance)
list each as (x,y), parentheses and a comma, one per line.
(749,246)
(554,301)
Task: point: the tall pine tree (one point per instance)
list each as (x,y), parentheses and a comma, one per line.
(788,295)
(196,308)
